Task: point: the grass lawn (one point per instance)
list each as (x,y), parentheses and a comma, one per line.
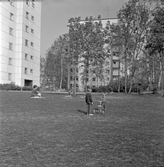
(56,132)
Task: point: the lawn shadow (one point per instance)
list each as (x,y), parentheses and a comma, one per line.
(84,112)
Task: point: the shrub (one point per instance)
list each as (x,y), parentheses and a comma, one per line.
(9,86)
(27,88)
(95,89)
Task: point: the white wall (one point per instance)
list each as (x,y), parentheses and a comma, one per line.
(18,24)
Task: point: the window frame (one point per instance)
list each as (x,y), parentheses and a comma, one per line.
(26,42)
(32,17)
(10,61)
(32,44)
(33,3)
(11,31)
(27,28)
(11,16)
(27,2)
(32,31)
(10,46)
(26,56)
(27,15)
(25,70)
(10,76)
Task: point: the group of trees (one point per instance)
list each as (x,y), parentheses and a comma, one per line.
(140,38)
(84,43)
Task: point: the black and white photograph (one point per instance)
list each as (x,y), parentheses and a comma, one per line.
(82,83)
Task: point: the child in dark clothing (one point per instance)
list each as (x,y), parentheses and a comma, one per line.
(89,101)
(35,93)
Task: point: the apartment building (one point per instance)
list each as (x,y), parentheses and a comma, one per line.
(20,28)
(111,67)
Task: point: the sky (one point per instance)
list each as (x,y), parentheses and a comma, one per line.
(56,13)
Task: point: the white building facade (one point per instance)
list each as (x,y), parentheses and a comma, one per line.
(20,28)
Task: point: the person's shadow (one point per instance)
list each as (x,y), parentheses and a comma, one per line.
(81,111)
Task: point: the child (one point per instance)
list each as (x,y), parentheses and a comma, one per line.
(35,93)
(89,101)
(103,101)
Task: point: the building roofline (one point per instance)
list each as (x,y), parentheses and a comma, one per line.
(103,19)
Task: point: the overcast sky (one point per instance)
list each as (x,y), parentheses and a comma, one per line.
(56,13)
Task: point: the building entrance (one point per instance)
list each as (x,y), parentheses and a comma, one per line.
(28,82)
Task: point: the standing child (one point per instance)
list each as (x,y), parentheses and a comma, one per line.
(103,101)
(89,101)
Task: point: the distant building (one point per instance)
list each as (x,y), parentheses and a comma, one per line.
(112,68)
(20,27)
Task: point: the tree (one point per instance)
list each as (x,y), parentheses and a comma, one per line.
(155,41)
(42,74)
(63,47)
(75,36)
(55,63)
(93,54)
(132,29)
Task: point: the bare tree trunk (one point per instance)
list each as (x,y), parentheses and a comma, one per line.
(160,77)
(68,79)
(74,85)
(119,77)
(131,85)
(125,76)
(61,74)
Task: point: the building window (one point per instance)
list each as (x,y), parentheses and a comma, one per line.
(10,61)
(9,76)
(33,3)
(27,15)
(31,57)
(26,56)
(11,2)
(32,44)
(107,71)
(32,31)
(26,28)
(10,46)
(31,70)
(32,18)
(93,79)
(25,70)
(10,31)
(26,42)
(27,2)
(11,16)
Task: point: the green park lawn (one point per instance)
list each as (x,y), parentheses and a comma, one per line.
(56,132)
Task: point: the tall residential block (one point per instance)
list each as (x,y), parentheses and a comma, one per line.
(20,28)
(112,67)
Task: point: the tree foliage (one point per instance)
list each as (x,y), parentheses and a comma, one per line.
(131,30)
(55,66)
(155,40)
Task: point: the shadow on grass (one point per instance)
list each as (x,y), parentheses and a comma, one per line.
(84,112)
